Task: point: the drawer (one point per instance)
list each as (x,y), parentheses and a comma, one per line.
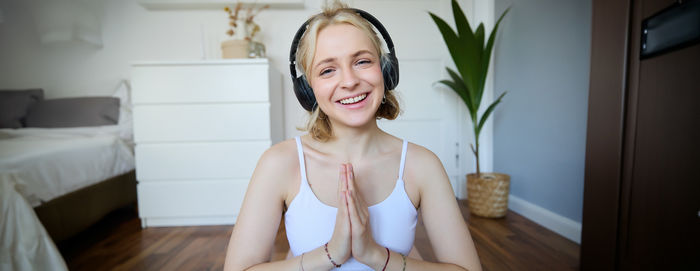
(191,198)
(200,83)
(201,122)
(210,160)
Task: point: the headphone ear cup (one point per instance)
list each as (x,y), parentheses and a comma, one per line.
(390,71)
(304,93)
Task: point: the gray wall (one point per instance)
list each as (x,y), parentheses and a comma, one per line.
(542,59)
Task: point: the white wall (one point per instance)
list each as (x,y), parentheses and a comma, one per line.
(132,33)
(543,61)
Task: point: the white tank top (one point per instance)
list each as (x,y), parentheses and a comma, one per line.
(309,222)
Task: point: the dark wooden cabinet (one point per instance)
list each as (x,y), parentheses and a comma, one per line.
(642,179)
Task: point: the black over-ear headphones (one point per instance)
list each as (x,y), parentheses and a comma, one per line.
(390,69)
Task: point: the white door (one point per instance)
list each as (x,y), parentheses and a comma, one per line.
(433,115)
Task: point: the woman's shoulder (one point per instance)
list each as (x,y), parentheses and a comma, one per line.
(422,165)
(416,155)
(277,166)
(277,172)
(421,154)
(281,155)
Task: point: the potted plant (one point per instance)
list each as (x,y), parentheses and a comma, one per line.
(487,193)
(242,30)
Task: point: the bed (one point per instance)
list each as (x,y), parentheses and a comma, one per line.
(60,175)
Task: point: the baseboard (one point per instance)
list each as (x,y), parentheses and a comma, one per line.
(459,186)
(554,222)
(187,221)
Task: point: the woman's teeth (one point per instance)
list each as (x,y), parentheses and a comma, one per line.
(353,100)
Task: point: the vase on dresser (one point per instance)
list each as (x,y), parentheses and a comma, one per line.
(199,128)
(235,49)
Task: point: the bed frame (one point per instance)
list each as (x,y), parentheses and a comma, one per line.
(67,215)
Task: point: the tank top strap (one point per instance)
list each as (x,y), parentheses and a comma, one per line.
(302,165)
(403,158)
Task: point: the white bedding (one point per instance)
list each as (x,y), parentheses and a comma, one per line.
(49,163)
(38,165)
(24,243)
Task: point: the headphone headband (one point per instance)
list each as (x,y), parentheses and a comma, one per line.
(302,89)
(363,14)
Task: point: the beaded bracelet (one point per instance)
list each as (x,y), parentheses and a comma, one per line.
(404,262)
(388,255)
(329,256)
(302,261)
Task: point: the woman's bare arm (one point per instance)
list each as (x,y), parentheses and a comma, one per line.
(254,234)
(447,231)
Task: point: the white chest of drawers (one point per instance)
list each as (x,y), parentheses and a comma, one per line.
(199,129)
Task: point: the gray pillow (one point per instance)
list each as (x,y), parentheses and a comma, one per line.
(14,105)
(74,112)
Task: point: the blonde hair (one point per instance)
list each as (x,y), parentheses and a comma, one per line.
(318,125)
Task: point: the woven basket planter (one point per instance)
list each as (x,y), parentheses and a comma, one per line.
(488,196)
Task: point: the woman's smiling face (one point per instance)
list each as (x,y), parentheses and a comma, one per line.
(346,75)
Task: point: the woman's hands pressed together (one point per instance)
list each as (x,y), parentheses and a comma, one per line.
(340,245)
(353,212)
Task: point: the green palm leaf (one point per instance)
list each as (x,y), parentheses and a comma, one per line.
(462,90)
(463,27)
(464,60)
(454,86)
(487,113)
(466,43)
(472,58)
(489,46)
(479,44)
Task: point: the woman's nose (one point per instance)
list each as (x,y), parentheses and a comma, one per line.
(349,79)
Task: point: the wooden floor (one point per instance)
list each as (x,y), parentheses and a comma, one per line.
(118,242)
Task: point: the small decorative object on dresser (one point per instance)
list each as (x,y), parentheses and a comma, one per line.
(243,32)
(199,129)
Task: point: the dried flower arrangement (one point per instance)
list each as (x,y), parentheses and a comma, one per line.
(251,28)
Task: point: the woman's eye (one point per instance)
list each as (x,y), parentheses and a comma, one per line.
(364,61)
(325,72)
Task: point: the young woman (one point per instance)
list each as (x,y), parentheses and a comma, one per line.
(349,192)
